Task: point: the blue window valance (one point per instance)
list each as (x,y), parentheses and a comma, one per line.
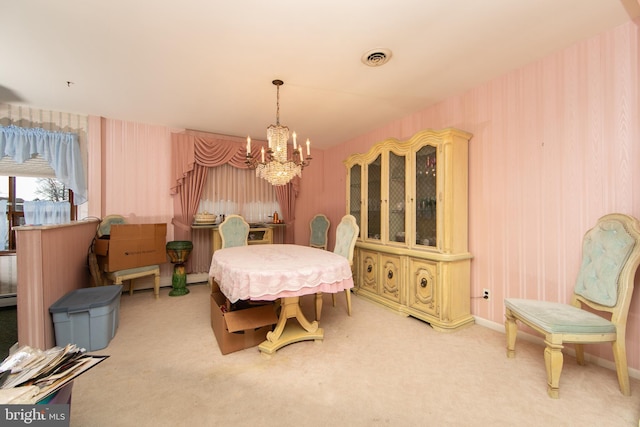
(60,149)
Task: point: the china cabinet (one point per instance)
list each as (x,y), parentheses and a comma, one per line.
(410,199)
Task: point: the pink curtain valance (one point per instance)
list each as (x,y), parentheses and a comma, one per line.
(207,151)
(193,154)
(213,152)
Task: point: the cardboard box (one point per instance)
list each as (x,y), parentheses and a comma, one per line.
(132,246)
(240,329)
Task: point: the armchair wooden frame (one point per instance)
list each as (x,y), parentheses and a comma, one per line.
(612,245)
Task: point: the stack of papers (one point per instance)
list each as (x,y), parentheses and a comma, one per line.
(29,375)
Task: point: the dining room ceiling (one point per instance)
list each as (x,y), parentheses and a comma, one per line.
(208,65)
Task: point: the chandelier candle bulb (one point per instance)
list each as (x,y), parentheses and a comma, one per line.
(308,149)
(294,141)
(262,151)
(248,145)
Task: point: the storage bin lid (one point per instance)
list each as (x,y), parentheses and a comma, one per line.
(86,298)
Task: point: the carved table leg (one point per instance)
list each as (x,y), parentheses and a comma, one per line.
(284,334)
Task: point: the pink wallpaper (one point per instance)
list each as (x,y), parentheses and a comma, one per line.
(135,176)
(129,169)
(555,146)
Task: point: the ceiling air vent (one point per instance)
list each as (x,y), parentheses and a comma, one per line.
(376,57)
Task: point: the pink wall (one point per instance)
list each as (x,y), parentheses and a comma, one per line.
(51,261)
(555,146)
(128,173)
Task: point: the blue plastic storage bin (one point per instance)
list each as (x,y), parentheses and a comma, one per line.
(87,317)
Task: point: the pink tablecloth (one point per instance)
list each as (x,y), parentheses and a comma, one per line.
(269,272)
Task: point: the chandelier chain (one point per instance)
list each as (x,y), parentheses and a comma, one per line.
(277,104)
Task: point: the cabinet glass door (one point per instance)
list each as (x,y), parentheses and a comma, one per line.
(397,192)
(426,200)
(355,187)
(374,196)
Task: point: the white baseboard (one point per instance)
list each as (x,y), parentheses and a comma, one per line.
(633,373)
(197,277)
(8,301)
(165,281)
(142,283)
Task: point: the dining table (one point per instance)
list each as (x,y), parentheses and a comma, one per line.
(282,272)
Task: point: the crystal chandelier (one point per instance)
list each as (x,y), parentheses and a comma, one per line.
(275,165)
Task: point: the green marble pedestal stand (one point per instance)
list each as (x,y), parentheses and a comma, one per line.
(178,252)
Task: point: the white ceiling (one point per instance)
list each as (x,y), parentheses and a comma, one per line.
(208,65)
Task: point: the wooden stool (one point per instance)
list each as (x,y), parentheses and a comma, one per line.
(134,273)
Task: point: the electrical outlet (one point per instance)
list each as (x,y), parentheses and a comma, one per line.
(485,293)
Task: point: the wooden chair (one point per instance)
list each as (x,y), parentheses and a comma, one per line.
(610,258)
(319,226)
(120,276)
(346,236)
(234,231)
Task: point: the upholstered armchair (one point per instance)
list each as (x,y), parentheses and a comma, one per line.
(319,226)
(234,231)
(610,258)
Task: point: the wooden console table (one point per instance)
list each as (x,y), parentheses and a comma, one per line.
(268,234)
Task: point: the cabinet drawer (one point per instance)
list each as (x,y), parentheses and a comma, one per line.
(391,278)
(423,286)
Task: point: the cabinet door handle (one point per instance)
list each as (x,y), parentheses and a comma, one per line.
(369,268)
(423,283)
(390,274)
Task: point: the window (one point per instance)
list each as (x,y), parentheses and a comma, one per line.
(230,190)
(14,191)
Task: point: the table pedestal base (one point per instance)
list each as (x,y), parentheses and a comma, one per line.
(282,336)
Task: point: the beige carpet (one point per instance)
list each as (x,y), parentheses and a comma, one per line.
(373,369)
